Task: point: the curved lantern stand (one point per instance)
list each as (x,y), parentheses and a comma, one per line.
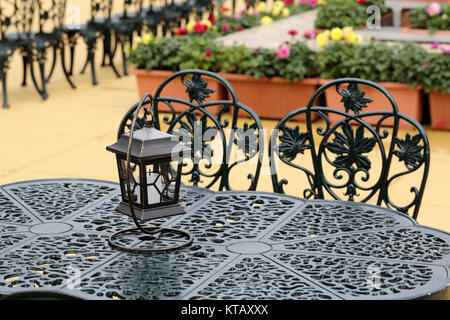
(149,230)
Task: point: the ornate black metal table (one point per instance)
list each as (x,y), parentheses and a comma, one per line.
(247,245)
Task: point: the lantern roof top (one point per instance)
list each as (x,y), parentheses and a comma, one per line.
(150,143)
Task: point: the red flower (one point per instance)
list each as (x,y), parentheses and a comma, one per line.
(288,2)
(293,32)
(240,28)
(200,27)
(361,2)
(211,19)
(208,53)
(181,31)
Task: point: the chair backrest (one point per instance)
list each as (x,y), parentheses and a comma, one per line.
(131,9)
(202,112)
(352,154)
(101,10)
(16,16)
(51,14)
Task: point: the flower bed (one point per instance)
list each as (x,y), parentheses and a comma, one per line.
(434,18)
(344,54)
(342,13)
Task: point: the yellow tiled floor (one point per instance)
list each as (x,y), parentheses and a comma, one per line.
(66,135)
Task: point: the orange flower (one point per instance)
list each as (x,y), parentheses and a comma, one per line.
(224,9)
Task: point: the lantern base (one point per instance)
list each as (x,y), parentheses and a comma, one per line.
(155,229)
(152,213)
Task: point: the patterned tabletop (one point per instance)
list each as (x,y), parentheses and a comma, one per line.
(247,245)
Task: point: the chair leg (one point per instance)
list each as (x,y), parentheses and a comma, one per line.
(111,56)
(3,79)
(40,58)
(55,54)
(124,58)
(63,62)
(91,61)
(85,64)
(25,64)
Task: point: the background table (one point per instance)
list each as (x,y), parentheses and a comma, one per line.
(247,245)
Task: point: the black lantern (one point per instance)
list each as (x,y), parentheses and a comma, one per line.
(149,163)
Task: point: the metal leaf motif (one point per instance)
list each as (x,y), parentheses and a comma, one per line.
(246,139)
(410,151)
(292,143)
(197,89)
(353,98)
(350,147)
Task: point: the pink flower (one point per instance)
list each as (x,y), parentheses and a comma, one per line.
(435,45)
(308,34)
(434,9)
(313,3)
(445,48)
(225,27)
(304,1)
(426,64)
(256,49)
(208,53)
(293,32)
(255,13)
(283,53)
(237,16)
(244,11)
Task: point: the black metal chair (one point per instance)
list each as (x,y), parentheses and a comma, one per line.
(49,38)
(98,27)
(152,16)
(220,142)
(125,25)
(336,159)
(16,17)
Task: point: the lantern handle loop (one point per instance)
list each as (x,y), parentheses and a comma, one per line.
(146,97)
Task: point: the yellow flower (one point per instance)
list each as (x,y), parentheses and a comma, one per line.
(350,37)
(190,26)
(206,22)
(276,12)
(322,39)
(278,4)
(261,6)
(336,34)
(358,39)
(138,40)
(347,30)
(320,2)
(285,12)
(147,38)
(266,20)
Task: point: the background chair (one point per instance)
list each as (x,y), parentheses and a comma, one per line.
(359,156)
(49,38)
(98,27)
(16,17)
(224,148)
(125,25)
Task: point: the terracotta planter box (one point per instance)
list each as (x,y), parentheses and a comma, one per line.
(425,31)
(149,81)
(274,98)
(409,102)
(439,110)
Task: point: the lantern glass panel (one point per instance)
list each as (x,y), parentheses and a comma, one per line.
(161,182)
(134,181)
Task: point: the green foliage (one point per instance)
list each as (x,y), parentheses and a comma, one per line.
(373,61)
(376,61)
(189,52)
(421,20)
(437,72)
(345,13)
